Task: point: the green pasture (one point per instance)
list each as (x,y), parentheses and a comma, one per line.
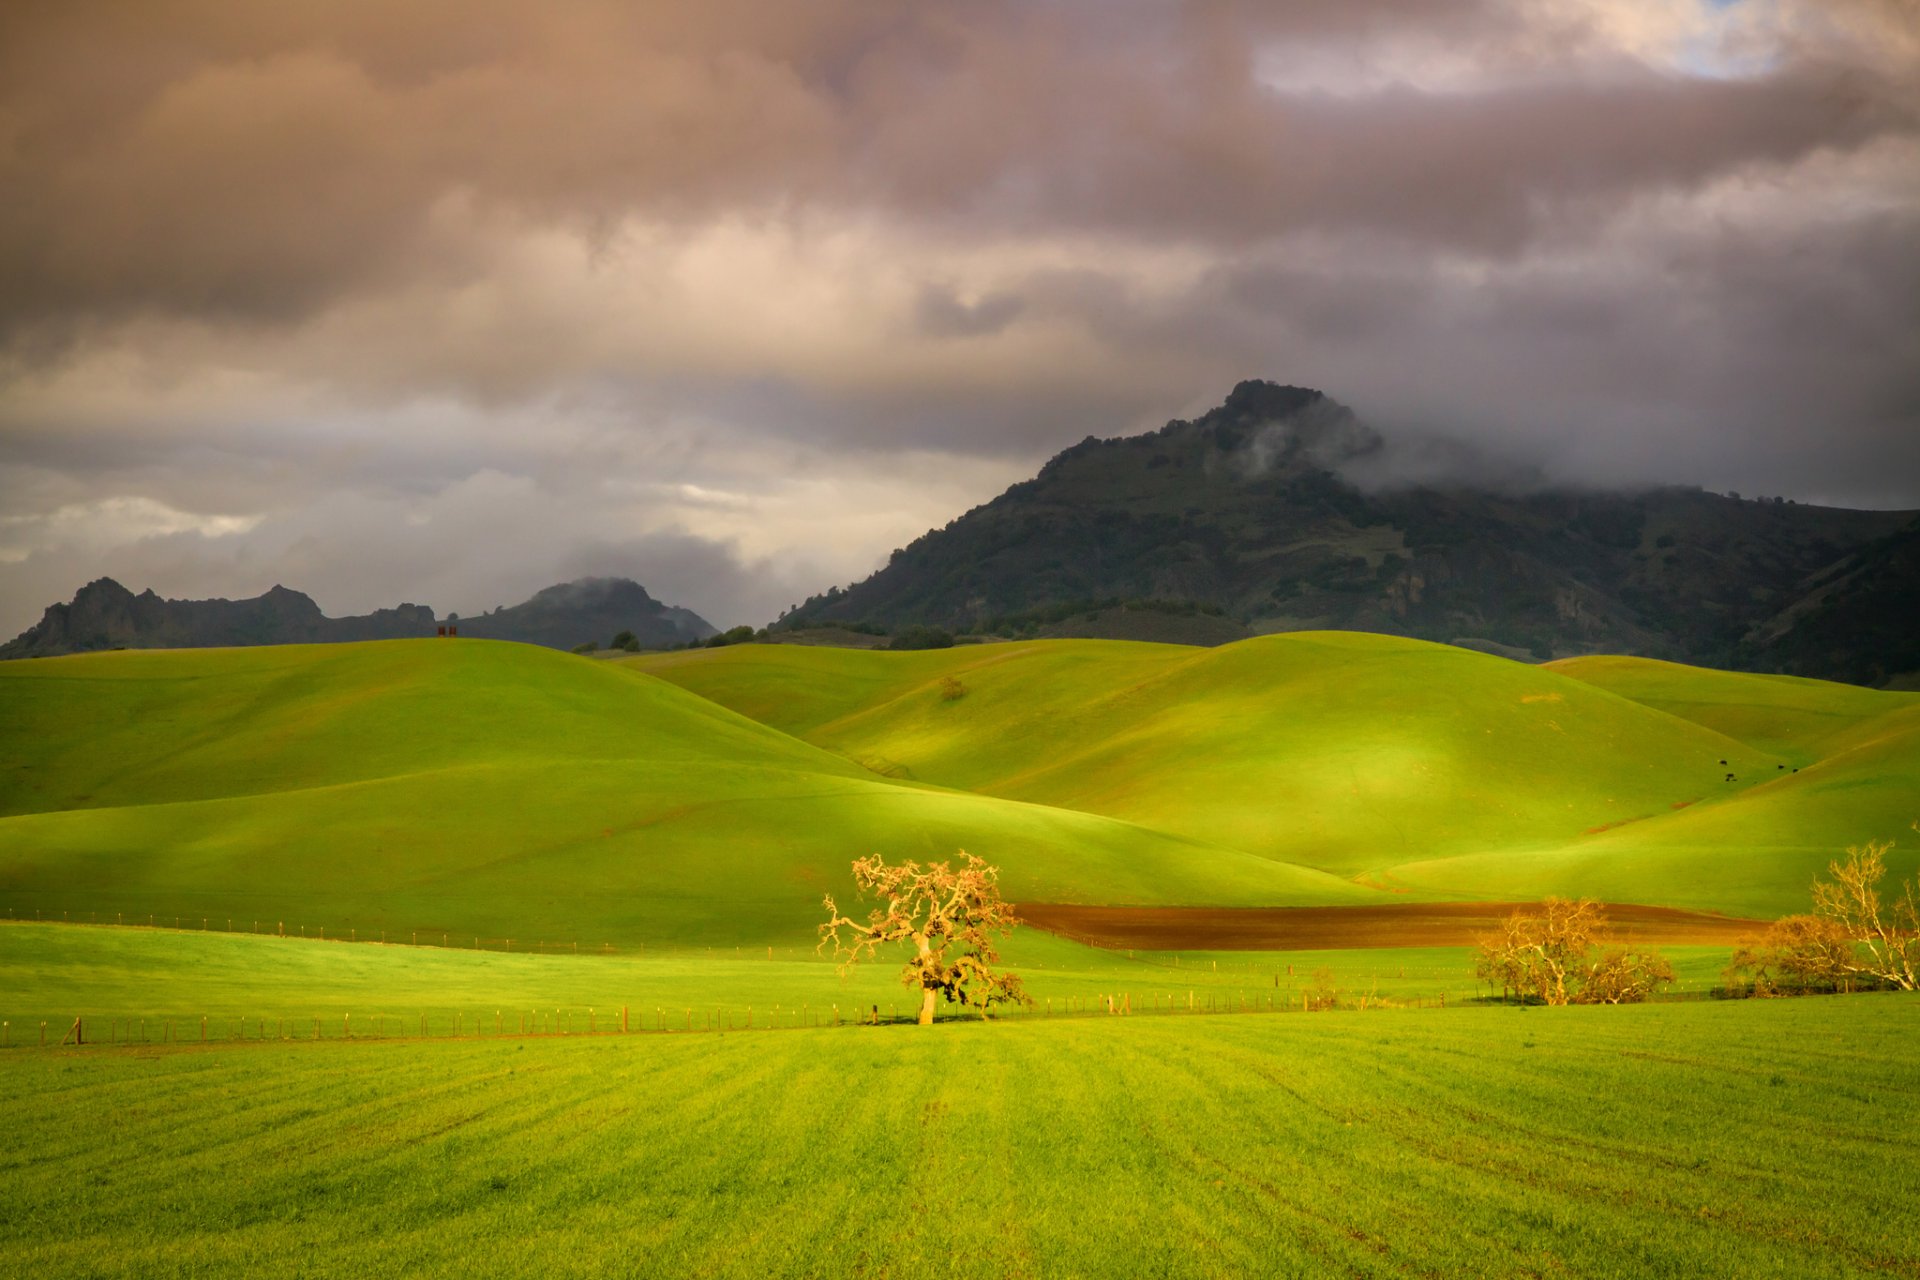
(158,983)
(1751,1139)
(1428,769)
(1346,752)
(710,797)
(53,973)
(501,790)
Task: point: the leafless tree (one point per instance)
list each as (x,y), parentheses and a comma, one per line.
(950,917)
(1624,975)
(1544,955)
(1795,951)
(1538,954)
(1886,935)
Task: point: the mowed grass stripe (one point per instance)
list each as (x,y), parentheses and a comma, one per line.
(1644,1142)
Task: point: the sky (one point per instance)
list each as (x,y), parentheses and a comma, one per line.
(447,301)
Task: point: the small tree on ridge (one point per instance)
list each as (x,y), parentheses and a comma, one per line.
(950,916)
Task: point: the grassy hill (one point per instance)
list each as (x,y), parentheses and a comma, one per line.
(504,791)
(496,790)
(1420,767)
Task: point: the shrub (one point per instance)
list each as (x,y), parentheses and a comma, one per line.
(919,637)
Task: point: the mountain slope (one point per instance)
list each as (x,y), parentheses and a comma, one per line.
(501,791)
(1858,620)
(1274,508)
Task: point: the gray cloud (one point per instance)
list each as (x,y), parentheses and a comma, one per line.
(450,300)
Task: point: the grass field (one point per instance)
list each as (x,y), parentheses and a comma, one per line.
(158,985)
(504,791)
(500,790)
(420,1098)
(1757,1139)
(1421,768)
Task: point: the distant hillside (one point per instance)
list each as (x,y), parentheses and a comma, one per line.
(1858,621)
(1274,510)
(590,609)
(105,615)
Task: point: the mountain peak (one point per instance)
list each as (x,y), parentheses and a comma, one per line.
(1259,515)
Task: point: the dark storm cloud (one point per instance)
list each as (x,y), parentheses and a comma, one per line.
(754,291)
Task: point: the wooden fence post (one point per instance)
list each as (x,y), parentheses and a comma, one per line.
(623,1019)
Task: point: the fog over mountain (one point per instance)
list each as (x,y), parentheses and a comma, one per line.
(453,301)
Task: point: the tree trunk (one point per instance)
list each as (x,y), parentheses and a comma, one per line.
(926,993)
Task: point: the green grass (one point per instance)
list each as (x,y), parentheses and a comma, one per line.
(500,790)
(1342,751)
(1804,720)
(1424,768)
(54,972)
(711,797)
(1761,1139)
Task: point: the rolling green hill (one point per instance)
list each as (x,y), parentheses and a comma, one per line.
(1414,766)
(496,790)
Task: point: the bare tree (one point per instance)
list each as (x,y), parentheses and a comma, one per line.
(1624,975)
(951,918)
(1886,936)
(1538,954)
(1544,955)
(1795,951)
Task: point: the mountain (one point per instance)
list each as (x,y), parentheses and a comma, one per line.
(1280,511)
(1858,621)
(105,615)
(595,609)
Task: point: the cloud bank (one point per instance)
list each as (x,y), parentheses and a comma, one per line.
(445,302)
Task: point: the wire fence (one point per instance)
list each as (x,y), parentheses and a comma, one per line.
(89,1031)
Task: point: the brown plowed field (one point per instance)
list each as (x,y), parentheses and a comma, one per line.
(1397,924)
